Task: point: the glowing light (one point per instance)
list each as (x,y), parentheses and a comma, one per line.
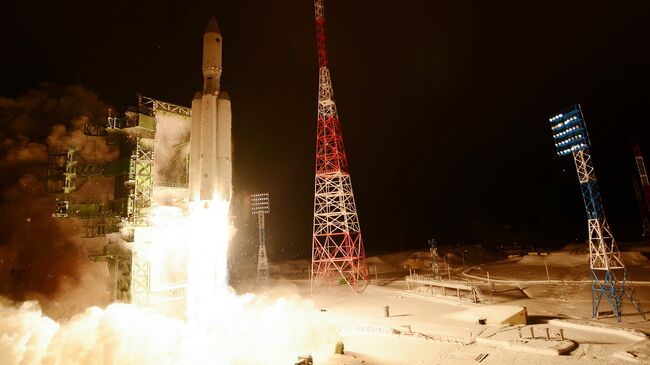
(569,131)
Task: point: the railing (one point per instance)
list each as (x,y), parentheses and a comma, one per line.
(414,282)
(357,327)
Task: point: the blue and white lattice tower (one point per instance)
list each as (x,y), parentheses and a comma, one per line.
(609,275)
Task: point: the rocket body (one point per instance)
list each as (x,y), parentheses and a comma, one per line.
(210,175)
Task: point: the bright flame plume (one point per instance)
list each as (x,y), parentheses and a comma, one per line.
(207,267)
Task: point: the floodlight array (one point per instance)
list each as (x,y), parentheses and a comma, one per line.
(260,203)
(569,131)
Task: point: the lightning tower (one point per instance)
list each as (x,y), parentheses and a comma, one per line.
(608,273)
(645,184)
(337,246)
(260,206)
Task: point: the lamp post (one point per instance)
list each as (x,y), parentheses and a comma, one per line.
(260,206)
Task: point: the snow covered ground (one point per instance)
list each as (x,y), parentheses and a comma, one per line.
(425,329)
(286,319)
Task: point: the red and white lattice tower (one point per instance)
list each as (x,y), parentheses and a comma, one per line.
(337,247)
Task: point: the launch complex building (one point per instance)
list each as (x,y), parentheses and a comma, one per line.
(170,156)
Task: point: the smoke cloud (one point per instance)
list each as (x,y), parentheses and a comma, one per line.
(247,330)
(42,257)
(171,130)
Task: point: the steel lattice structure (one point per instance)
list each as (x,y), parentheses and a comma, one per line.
(141,181)
(609,275)
(337,246)
(645,184)
(645,223)
(141,185)
(260,206)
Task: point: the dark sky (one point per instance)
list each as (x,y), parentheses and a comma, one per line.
(444,104)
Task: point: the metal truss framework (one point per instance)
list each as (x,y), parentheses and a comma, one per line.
(118,260)
(262,261)
(131,280)
(65,168)
(645,185)
(70,173)
(139,202)
(337,246)
(638,156)
(435,268)
(609,275)
(141,181)
(141,184)
(645,222)
(56,163)
(140,273)
(153,104)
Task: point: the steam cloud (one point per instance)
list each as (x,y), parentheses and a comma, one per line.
(41,261)
(39,257)
(248,330)
(169,158)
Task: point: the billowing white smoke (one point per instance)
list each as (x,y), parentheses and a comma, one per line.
(244,330)
(171,130)
(221,327)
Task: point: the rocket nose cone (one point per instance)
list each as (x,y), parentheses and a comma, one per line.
(213,26)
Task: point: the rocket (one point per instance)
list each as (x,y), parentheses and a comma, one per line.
(210,159)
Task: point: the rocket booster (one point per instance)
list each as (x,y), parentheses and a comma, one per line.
(211,58)
(210,175)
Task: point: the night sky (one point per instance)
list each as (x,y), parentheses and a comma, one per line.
(444,105)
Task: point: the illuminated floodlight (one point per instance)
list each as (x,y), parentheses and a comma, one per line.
(260,203)
(569,131)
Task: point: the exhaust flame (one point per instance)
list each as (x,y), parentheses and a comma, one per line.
(221,327)
(207,267)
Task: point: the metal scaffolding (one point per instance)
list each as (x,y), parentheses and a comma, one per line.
(154,104)
(56,163)
(118,260)
(129,265)
(140,184)
(140,181)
